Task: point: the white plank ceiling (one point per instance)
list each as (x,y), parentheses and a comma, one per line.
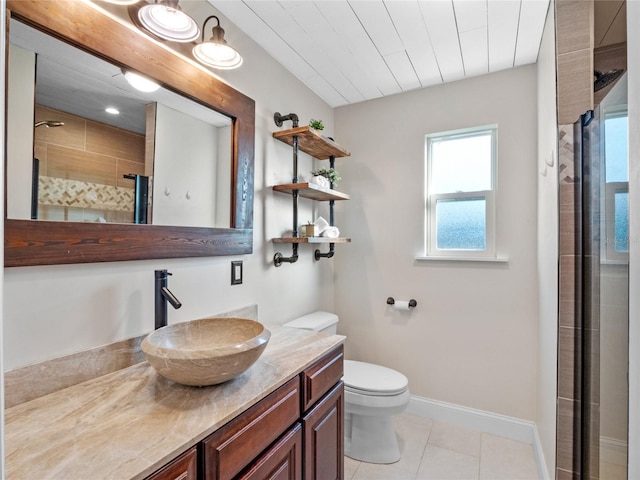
(349,51)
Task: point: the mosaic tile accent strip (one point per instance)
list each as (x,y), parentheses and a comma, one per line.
(62,192)
(566,160)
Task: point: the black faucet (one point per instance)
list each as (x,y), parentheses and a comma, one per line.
(162,296)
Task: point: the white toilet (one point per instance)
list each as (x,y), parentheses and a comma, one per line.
(371,395)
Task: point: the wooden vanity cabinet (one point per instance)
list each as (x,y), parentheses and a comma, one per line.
(295,433)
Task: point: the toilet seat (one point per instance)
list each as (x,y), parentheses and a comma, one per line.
(375,380)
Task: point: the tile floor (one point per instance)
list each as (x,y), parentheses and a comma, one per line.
(433,450)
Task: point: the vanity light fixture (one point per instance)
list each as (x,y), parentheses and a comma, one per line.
(216,52)
(140,82)
(166,20)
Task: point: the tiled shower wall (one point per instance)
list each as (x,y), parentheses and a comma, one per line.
(82,165)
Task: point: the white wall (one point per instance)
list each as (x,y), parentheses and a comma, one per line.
(3,23)
(472,340)
(56,310)
(183,172)
(548,205)
(223,174)
(21,106)
(633,68)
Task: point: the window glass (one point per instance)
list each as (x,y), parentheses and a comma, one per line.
(461,224)
(461,163)
(616,185)
(621,210)
(615,145)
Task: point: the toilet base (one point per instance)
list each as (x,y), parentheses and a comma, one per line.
(371,439)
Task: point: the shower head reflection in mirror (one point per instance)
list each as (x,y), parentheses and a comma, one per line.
(48,123)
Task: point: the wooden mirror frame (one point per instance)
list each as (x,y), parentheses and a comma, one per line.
(41,242)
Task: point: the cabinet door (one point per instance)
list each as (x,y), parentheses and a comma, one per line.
(323,430)
(233,447)
(185,467)
(283,461)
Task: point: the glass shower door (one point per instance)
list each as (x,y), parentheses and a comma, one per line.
(613,342)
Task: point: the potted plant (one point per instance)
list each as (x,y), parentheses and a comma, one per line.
(316,124)
(329,173)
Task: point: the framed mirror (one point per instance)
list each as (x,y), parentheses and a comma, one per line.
(64,236)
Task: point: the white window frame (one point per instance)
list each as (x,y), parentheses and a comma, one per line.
(608,225)
(610,252)
(488,196)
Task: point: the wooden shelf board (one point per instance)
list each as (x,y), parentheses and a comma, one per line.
(310,240)
(311,141)
(312,191)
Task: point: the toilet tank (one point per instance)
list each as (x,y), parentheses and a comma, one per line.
(317,321)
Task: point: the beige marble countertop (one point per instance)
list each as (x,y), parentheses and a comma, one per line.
(127,424)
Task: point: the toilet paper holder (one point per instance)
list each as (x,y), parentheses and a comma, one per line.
(412,302)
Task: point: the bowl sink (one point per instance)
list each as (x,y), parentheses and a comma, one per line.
(205,352)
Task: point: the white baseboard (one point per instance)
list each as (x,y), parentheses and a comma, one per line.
(543,473)
(488,422)
(493,423)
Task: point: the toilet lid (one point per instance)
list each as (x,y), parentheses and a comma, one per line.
(367,378)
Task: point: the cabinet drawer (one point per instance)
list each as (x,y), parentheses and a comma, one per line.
(235,445)
(185,467)
(321,376)
(283,460)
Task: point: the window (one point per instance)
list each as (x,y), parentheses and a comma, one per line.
(616,185)
(460,188)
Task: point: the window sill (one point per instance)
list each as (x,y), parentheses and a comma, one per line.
(463,259)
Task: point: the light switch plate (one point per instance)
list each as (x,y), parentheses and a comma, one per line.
(236,272)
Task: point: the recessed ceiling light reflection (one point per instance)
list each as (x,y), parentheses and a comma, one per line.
(141,83)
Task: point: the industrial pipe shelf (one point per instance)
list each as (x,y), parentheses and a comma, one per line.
(311,141)
(312,191)
(310,240)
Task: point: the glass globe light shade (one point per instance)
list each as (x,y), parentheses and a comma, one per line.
(168,22)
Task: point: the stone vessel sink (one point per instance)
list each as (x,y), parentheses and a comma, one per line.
(205,352)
